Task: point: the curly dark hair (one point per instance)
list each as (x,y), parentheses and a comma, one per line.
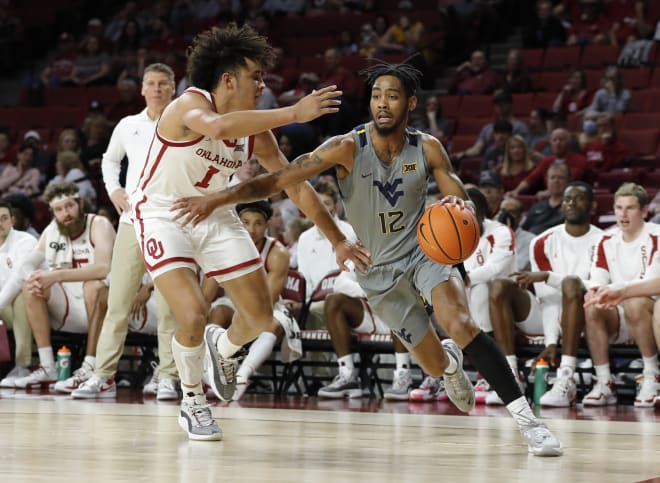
(409,76)
(219,50)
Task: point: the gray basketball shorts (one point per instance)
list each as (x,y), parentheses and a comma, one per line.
(395,292)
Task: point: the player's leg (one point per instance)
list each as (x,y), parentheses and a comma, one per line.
(36,309)
(402,381)
(639,315)
(168,376)
(343,314)
(16,320)
(96,305)
(600,326)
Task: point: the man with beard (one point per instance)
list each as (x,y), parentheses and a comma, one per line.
(383,169)
(63,280)
(560,258)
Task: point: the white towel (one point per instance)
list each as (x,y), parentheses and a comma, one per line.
(59,252)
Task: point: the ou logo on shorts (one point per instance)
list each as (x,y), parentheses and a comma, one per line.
(154,248)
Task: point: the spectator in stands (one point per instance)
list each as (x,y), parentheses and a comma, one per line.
(517,163)
(546,213)
(630,22)
(15,246)
(60,68)
(491,187)
(281,76)
(622,257)
(368,40)
(23,177)
(6,150)
(612,97)
(346,45)
(606,151)
(284,7)
(92,66)
(574,96)
(276,225)
(284,327)
(130,40)
(589,132)
(294,228)
(70,169)
(431,120)
(77,249)
(515,77)
(97,135)
(494,155)
(545,29)
(511,214)
(560,142)
(307,82)
(494,257)
(22,213)
(539,137)
(561,258)
(40,158)
(287,208)
(474,76)
(333,72)
(129,101)
(590,27)
(503,110)
(403,36)
(133,66)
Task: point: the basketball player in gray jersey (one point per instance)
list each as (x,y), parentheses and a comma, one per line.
(383,169)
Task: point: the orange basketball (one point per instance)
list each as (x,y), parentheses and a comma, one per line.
(447,233)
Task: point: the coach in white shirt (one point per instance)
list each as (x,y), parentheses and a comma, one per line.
(131,138)
(14,246)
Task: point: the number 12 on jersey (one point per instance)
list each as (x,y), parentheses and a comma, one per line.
(389,221)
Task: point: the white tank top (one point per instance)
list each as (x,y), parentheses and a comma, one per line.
(83,245)
(265,250)
(197,167)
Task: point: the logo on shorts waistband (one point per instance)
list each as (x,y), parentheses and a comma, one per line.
(154,248)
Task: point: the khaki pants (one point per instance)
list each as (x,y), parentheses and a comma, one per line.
(16,319)
(126,271)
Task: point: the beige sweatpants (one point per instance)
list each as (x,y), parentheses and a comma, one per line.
(126,272)
(16,319)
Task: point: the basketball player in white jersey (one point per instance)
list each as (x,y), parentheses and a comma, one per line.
(15,245)
(383,170)
(201,139)
(560,258)
(284,327)
(131,138)
(623,257)
(68,292)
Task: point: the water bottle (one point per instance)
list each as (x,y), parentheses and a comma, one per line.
(540,380)
(63,363)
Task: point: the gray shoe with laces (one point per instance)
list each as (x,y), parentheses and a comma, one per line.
(540,441)
(458,386)
(196,419)
(221,371)
(401,385)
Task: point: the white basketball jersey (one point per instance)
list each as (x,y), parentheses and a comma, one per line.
(495,254)
(201,166)
(83,245)
(265,250)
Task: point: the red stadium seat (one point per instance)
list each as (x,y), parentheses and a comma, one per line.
(641,101)
(469,126)
(596,55)
(532,58)
(461,143)
(640,120)
(641,142)
(604,203)
(550,81)
(616,177)
(594,76)
(561,57)
(477,106)
(470,169)
(637,78)
(450,105)
(522,104)
(544,100)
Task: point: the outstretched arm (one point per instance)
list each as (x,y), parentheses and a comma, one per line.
(611,295)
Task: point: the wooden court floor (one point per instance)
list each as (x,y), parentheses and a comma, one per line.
(54,439)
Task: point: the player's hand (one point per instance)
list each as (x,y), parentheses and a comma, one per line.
(549,354)
(119,199)
(140,301)
(604,297)
(452,200)
(525,279)
(192,209)
(318,103)
(39,281)
(354,252)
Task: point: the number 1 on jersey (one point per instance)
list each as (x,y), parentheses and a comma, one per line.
(204,183)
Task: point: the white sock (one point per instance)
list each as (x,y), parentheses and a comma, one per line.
(402,360)
(513,364)
(46,357)
(651,364)
(190,364)
(226,348)
(603,372)
(91,361)
(453,364)
(260,350)
(521,412)
(568,361)
(346,365)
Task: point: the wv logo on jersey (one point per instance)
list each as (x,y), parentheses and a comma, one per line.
(404,335)
(389,190)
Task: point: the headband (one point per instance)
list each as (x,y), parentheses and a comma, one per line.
(62,197)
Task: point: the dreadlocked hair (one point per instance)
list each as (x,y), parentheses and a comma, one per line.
(219,50)
(409,76)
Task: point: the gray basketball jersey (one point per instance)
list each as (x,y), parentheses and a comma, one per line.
(384,202)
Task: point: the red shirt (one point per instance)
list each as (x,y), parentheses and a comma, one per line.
(576,162)
(603,157)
